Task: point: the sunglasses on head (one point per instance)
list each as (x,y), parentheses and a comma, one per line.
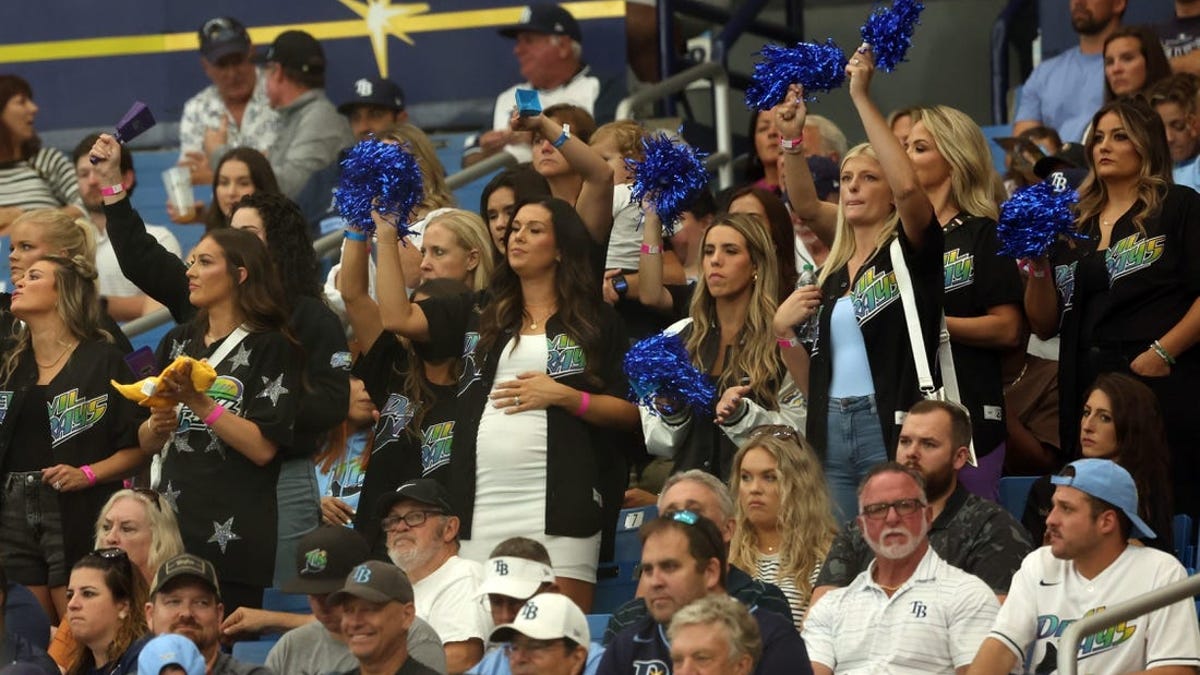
(780,431)
(149,494)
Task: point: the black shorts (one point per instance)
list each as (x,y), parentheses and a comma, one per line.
(31,531)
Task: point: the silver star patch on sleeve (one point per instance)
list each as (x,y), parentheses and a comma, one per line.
(223,534)
(169,496)
(240,358)
(273,389)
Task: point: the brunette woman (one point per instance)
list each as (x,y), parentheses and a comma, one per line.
(106,602)
(31,176)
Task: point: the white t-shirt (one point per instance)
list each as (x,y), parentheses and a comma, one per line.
(934,623)
(1047,594)
(582,90)
(111,281)
(449,600)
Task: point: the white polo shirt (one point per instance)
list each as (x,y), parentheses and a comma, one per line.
(933,623)
(1047,594)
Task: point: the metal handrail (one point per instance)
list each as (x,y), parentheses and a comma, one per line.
(677,83)
(1068,645)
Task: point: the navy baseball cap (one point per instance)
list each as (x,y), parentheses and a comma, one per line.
(296,50)
(221,37)
(1106,480)
(374,91)
(545,18)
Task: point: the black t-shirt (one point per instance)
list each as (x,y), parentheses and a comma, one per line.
(1179,36)
(411,667)
(31,438)
(977,279)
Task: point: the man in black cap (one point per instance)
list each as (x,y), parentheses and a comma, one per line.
(311,132)
(377,610)
(233,111)
(323,559)
(185,599)
(549,49)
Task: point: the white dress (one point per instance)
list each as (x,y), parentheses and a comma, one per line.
(510,476)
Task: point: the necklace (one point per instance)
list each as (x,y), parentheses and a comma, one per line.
(889,589)
(533,323)
(65,350)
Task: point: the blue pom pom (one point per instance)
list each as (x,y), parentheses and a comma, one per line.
(1034,218)
(660,366)
(671,176)
(816,67)
(379,176)
(889,32)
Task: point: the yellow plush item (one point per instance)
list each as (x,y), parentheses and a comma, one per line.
(143,391)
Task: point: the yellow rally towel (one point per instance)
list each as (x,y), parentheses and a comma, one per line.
(142,392)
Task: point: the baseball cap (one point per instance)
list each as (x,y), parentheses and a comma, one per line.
(825,175)
(374,91)
(185,565)
(223,36)
(1105,479)
(1071,156)
(424,490)
(170,649)
(546,18)
(514,577)
(546,616)
(323,559)
(295,49)
(375,581)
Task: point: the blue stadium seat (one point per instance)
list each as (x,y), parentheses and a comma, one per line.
(1014,491)
(596,625)
(996,131)
(1183,534)
(628,546)
(616,584)
(275,600)
(253,651)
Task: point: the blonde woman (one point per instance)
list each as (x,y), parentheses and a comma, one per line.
(456,245)
(862,374)
(784,522)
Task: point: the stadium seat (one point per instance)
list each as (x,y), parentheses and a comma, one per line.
(1014,490)
(616,584)
(275,600)
(628,546)
(596,625)
(253,651)
(1183,534)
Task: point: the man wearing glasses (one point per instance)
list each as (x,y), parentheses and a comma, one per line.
(548,636)
(422,539)
(233,111)
(909,611)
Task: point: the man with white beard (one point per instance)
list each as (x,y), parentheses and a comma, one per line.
(909,611)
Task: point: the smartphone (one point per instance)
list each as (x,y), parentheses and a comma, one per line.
(142,363)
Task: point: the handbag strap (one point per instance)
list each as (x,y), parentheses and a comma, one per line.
(232,340)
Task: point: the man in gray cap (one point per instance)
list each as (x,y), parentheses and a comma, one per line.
(1089,565)
(377,611)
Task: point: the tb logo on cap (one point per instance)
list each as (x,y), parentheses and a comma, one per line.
(501,568)
(529,612)
(362,574)
(364,88)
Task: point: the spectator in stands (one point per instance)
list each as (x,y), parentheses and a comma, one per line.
(549,50)
(683,560)
(240,172)
(785,522)
(855,410)
(1133,62)
(1121,421)
(1174,99)
(234,110)
(715,634)
(342,461)
(315,643)
(548,636)
(983,290)
(1090,565)
(1063,91)
(729,324)
(140,522)
(311,133)
(703,494)
(974,534)
(900,121)
(945,613)
(23,614)
(185,599)
(501,195)
(241,329)
(762,165)
(1180,36)
(31,176)
(422,539)
(171,654)
(823,138)
(511,386)
(107,597)
(60,465)
(377,614)
(771,212)
(1136,316)
(14,648)
(122,299)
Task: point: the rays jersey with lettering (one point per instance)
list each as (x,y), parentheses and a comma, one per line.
(1048,594)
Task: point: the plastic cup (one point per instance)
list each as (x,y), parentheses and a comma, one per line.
(178,181)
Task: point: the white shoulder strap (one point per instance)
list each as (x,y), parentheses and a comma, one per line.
(232,340)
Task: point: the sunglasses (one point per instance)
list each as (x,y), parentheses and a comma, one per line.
(780,431)
(151,495)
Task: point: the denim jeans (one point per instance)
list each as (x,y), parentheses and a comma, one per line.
(31,534)
(299,512)
(855,444)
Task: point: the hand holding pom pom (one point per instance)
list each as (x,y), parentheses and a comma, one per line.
(814,66)
(378,176)
(1034,219)
(663,379)
(889,32)
(670,177)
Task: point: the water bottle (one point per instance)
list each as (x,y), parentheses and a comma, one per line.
(807,331)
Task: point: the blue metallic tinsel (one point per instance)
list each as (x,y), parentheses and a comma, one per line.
(671,176)
(815,66)
(1033,219)
(379,176)
(660,365)
(889,32)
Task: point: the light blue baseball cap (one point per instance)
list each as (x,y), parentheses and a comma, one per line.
(170,649)
(1105,479)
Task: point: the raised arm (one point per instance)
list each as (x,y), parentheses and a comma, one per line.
(1041,298)
(397,313)
(820,216)
(361,310)
(916,211)
(651,291)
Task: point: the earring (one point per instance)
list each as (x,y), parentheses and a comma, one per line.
(121,615)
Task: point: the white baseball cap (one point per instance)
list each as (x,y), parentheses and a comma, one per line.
(517,578)
(547,616)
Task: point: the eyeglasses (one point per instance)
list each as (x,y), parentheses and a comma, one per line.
(904,507)
(411,519)
(531,647)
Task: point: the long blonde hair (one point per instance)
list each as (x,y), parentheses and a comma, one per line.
(975,187)
(437,193)
(470,233)
(165,540)
(805,511)
(843,238)
(754,353)
(63,235)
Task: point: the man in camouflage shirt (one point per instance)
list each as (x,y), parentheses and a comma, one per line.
(973,534)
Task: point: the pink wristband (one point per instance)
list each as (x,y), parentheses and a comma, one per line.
(650,249)
(787,343)
(217,411)
(585,400)
(89,474)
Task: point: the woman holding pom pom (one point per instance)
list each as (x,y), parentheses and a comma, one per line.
(1127,295)
(863,379)
(538,448)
